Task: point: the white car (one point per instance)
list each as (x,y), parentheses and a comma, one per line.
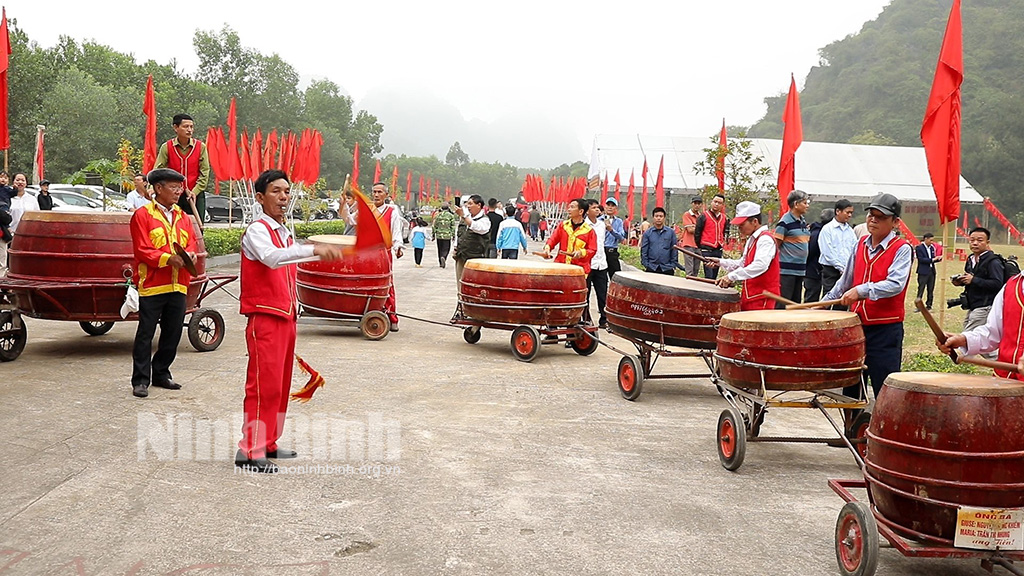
(115,199)
(65,201)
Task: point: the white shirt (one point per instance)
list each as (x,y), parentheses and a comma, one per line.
(762,259)
(258,245)
(837,241)
(395,223)
(19,205)
(599,261)
(136,200)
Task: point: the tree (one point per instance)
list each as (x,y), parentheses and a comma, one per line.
(746,175)
(456,157)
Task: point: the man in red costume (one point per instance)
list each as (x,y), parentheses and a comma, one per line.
(390,215)
(575,237)
(188,156)
(758,268)
(270,304)
(161,279)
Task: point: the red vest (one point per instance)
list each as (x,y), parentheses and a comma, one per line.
(188,166)
(713,234)
(267,290)
(1012,344)
(887,310)
(752,297)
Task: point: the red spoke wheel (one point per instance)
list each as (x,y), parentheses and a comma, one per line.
(375,325)
(206,329)
(859,431)
(584,343)
(630,377)
(525,343)
(856,540)
(732,439)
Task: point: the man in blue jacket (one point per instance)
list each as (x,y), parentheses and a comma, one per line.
(658,246)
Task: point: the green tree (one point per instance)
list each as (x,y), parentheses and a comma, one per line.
(747,177)
(456,157)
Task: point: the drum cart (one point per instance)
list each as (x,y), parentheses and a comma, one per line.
(526,338)
(633,370)
(373,323)
(741,421)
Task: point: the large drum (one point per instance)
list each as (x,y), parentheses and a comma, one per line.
(523,292)
(74,264)
(675,311)
(939,441)
(794,349)
(346,288)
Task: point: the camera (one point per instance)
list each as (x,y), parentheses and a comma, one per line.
(960,301)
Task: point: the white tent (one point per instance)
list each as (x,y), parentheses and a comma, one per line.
(825,170)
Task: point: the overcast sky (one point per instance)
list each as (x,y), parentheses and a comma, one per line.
(641,66)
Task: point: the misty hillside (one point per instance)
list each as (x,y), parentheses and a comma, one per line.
(872,88)
(418,123)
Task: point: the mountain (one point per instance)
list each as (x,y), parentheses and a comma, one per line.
(872,88)
(421,123)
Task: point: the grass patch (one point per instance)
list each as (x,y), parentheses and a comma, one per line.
(221,241)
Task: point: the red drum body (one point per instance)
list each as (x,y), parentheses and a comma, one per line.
(802,349)
(346,288)
(940,441)
(73,265)
(666,309)
(523,292)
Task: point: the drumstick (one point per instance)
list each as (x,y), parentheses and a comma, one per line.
(543,255)
(937,330)
(777,298)
(195,212)
(704,280)
(700,257)
(300,260)
(811,305)
(940,335)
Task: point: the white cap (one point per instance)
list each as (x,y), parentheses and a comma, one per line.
(745,210)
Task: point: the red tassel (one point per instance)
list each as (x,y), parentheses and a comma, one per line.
(315,381)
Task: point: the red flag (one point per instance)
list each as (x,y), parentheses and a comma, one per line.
(369,237)
(256,154)
(5,60)
(376,173)
(792,136)
(355,167)
(631,190)
(149,145)
(305,394)
(604,189)
(394,182)
(940,132)
(723,149)
(617,185)
(659,185)
(271,152)
(234,166)
(408,187)
(40,155)
(244,160)
(421,198)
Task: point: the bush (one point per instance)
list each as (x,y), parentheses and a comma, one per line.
(221,241)
(935,362)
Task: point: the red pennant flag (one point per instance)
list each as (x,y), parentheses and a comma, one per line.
(369,237)
(271,151)
(617,185)
(604,189)
(394,183)
(355,167)
(632,188)
(659,185)
(305,394)
(149,148)
(940,132)
(256,154)
(212,152)
(244,160)
(408,187)
(40,155)
(421,198)
(235,167)
(376,173)
(792,137)
(5,61)
(723,149)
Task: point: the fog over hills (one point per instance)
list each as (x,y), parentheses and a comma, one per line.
(419,123)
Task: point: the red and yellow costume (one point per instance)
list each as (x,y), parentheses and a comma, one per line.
(153,238)
(567,238)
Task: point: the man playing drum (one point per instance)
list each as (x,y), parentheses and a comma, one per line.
(874,284)
(1001,332)
(270,305)
(574,237)
(758,268)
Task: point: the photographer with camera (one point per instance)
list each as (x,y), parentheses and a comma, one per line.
(982,280)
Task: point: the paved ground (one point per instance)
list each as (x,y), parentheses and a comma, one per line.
(460,460)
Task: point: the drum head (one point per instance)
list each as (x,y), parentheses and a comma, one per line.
(675,286)
(789,320)
(335,239)
(955,384)
(523,267)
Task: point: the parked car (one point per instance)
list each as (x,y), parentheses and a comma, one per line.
(65,201)
(115,200)
(222,208)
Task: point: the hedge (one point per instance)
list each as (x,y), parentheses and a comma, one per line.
(221,241)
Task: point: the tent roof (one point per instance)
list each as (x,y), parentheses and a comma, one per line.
(827,171)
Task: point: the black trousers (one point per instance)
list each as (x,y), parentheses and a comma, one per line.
(711,271)
(926,281)
(417,254)
(612,254)
(883,354)
(812,289)
(791,288)
(444,246)
(167,311)
(598,280)
(829,277)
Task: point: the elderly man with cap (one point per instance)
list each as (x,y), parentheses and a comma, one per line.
(615,232)
(874,284)
(689,239)
(158,230)
(758,268)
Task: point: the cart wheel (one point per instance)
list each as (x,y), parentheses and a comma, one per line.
(375,325)
(859,431)
(856,540)
(525,343)
(471,334)
(732,439)
(630,377)
(96,328)
(12,342)
(584,344)
(206,329)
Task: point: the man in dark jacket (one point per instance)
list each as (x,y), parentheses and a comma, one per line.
(982,279)
(495,215)
(812,273)
(44,198)
(925,254)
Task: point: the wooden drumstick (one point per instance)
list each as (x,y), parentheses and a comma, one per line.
(940,335)
(777,298)
(812,305)
(549,256)
(700,257)
(699,279)
(195,212)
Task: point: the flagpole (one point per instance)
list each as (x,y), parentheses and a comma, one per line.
(945,273)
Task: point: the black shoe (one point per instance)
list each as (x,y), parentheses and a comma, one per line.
(603,325)
(282,453)
(168,384)
(261,465)
(140,391)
